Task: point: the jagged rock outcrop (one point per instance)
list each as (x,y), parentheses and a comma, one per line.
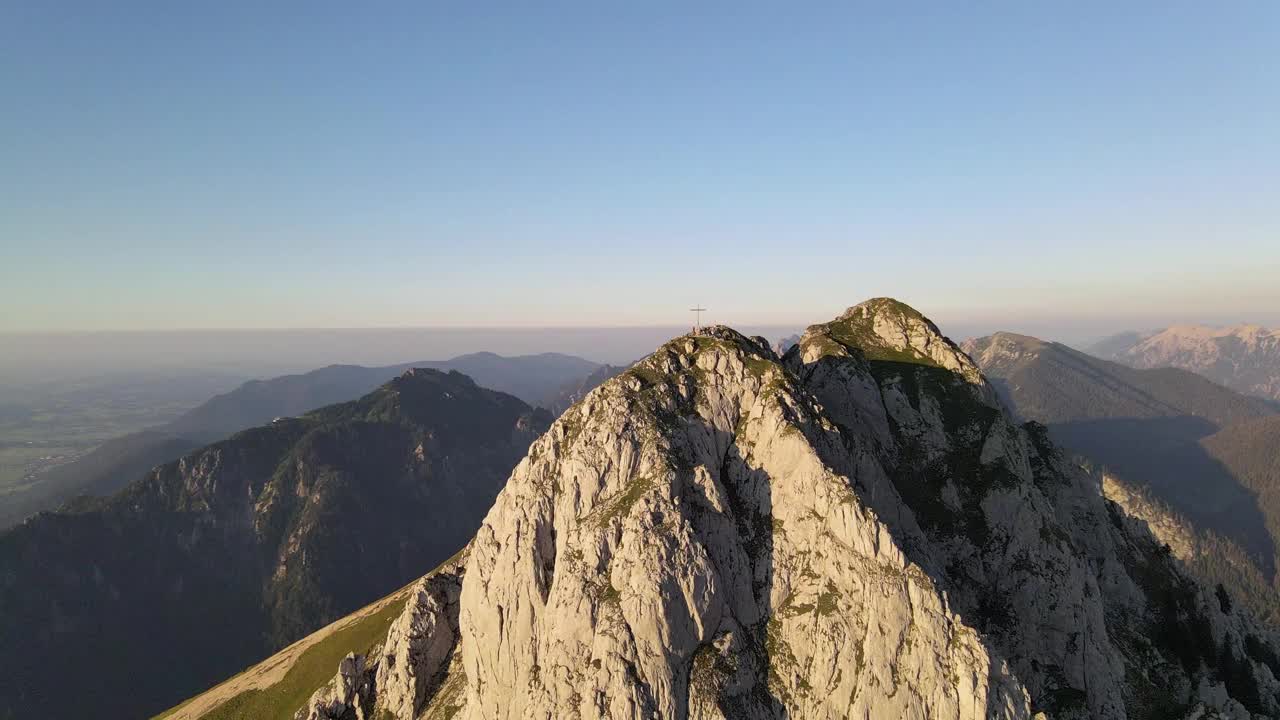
(420,644)
(857,529)
(1163,522)
(397,676)
(677,537)
(346,696)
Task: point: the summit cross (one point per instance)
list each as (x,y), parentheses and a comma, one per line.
(697,323)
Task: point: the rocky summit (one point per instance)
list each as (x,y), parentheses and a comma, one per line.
(857,529)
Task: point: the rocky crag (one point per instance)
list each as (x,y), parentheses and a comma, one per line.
(855,529)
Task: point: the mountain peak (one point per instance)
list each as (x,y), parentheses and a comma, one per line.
(886,330)
(848,532)
(713,356)
(1001,348)
(1213,331)
(884,306)
(424,377)
(420,394)
(1017,338)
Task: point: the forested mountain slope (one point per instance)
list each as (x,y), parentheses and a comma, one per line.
(243,546)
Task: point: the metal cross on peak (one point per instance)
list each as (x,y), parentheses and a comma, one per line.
(697,324)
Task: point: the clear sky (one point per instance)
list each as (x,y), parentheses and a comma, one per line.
(267,164)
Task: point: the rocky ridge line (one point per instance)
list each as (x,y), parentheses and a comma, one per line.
(856,529)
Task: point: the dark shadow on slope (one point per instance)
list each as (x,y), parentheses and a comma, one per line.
(1165,455)
(981,597)
(1005,393)
(1172,632)
(1180,628)
(1095,373)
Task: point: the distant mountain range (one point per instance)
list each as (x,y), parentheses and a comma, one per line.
(1169,439)
(535,379)
(118,607)
(1242,357)
(541,380)
(1052,383)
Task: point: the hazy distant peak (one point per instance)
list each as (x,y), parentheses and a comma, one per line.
(1002,337)
(1243,331)
(1018,337)
(1243,356)
(1003,349)
(886,330)
(421,373)
(432,382)
(782,345)
(1113,345)
(884,307)
(546,356)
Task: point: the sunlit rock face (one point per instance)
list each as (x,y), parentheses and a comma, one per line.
(856,529)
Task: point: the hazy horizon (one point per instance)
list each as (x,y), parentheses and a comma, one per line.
(1062,328)
(37,358)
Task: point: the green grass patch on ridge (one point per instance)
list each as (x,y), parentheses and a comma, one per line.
(313,668)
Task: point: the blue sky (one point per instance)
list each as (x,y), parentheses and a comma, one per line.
(237,164)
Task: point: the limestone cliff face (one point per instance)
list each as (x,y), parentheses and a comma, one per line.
(409,667)
(678,546)
(857,529)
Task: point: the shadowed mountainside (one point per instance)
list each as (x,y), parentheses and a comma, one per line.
(243,546)
(539,380)
(1155,428)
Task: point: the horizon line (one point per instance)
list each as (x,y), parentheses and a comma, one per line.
(89,331)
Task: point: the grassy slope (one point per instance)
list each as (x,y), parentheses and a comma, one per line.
(315,666)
